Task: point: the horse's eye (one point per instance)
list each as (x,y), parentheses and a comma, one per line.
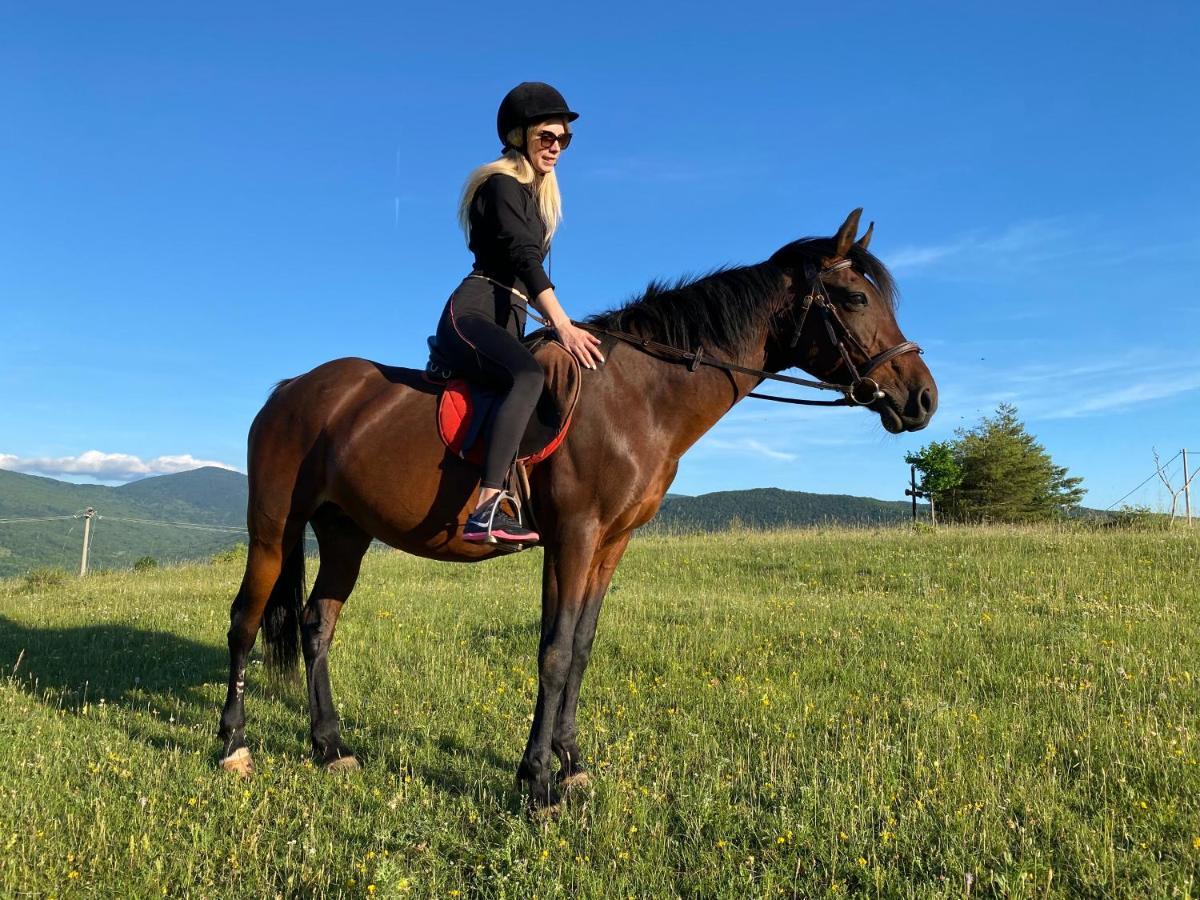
(856,299)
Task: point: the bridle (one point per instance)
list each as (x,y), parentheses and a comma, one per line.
(861,391)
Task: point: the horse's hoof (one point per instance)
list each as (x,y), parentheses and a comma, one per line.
(575,782)
(343,764)
(239,763)
(545,814)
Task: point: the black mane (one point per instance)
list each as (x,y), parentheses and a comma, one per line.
(718,310)
(723,308)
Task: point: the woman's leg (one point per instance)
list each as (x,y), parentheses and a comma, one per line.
(504,363)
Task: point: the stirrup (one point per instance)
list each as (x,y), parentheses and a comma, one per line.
(494,506)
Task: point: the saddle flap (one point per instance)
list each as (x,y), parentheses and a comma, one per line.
(466,410)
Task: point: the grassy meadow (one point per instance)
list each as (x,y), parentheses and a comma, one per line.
(974,712)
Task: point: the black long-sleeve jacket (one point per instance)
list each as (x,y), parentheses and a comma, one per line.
(508,235)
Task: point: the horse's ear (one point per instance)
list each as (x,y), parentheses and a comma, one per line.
(863,241)
(845,235)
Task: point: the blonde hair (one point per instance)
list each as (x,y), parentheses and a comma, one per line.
(513,162)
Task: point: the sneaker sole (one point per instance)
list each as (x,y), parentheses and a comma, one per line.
(516,538)
(497,537)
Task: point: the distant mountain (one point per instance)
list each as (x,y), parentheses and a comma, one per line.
(775,508)
(207,496)
(212,496)
(204,495)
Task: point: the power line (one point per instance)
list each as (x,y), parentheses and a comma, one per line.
(62,551)
(1143,484)
(197,526)
(33,519)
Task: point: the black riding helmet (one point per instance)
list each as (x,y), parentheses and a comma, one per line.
(528,102)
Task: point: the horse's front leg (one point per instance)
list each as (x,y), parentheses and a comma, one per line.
(564,585)
(572,773)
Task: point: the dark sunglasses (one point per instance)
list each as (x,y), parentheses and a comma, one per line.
(546,139)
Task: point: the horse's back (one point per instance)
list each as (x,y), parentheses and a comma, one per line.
(363,436)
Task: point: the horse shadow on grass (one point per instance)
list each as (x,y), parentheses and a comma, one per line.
(118,663)
(138,670)
(165,683)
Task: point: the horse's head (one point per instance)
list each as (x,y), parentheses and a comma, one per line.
(839,324)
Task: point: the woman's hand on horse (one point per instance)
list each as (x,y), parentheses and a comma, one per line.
(583,345)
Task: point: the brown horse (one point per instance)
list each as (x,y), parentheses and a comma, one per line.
(351,448)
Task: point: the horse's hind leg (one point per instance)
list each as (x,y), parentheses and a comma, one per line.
(265,566)
(342,545)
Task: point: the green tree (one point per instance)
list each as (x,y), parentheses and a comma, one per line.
(1007,476)
(939,470)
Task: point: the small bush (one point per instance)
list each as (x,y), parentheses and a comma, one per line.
(43,578)
(1141,518)
(145,564)
(236,553)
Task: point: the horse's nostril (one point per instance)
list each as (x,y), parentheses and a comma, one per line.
(926,401)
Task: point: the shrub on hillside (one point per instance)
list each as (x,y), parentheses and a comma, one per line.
(45,577)
(236,553)
(145,564)
(1141,518)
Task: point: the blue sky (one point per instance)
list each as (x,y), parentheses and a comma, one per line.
(198,201)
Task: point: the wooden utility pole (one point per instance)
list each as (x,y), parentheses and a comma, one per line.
(87,539)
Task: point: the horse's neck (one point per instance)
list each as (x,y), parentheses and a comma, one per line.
(686,404)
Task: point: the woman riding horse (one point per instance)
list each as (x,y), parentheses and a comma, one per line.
(510,209)
(323,452)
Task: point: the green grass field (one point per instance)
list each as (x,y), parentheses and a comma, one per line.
(881,713)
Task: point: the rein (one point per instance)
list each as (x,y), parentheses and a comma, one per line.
(862,391)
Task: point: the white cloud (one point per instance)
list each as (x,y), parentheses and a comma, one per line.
(106,466)
(1070,388)
(1128,395)
(908,258)
(1019,246)
(749,446)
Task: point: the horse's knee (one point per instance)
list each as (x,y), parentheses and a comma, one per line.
(554,668)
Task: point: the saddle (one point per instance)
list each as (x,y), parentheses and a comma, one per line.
(466,410)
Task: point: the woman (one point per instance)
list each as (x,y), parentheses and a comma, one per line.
(510,209)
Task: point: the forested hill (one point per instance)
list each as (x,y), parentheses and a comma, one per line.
(212,496)
(207,496)
(775,508)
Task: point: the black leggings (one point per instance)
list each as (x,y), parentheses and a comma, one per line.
(481,350)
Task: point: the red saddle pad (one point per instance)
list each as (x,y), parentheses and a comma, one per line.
(461,402)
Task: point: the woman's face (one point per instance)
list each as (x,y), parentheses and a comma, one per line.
(543,147)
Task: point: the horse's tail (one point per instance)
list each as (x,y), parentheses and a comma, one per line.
(281,618)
